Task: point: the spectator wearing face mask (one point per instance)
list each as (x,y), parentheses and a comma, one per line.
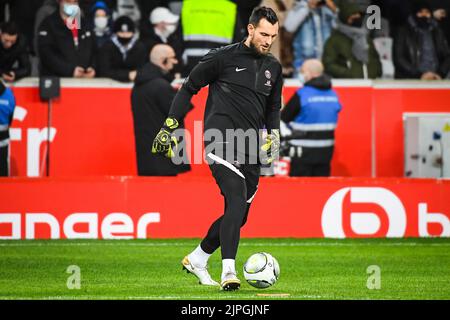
(101,23)
(163,28)
(421,50)
(123,54)
(14,58)
(66,45)
(349,52)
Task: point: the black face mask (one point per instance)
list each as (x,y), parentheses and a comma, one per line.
(124,41)
(423,22)
(357,23)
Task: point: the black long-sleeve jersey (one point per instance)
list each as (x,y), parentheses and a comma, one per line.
(244,91)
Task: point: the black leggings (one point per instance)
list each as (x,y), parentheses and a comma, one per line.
(238,193)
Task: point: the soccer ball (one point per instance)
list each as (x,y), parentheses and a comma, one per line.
(261,270)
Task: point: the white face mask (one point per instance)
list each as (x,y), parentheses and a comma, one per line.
(71,10)
(101,23)
(170,29)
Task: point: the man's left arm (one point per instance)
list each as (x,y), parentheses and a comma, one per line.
(274,105)
(271,144)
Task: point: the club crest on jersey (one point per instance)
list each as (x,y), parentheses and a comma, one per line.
(268,74)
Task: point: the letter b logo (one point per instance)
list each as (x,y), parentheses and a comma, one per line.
(389,218)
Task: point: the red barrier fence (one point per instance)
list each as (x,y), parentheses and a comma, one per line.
(138,207)
(93,128)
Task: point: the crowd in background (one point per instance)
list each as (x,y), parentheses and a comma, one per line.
(114,37)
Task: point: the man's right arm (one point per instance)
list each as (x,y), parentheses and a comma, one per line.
(204,73)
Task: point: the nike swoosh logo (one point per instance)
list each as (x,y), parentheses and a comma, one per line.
(239,70)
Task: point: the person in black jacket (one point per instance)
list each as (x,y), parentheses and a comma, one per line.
(14,54)
(151,98)
(421,50)
(244,99)
(65,48)
(441,12)
(123,54)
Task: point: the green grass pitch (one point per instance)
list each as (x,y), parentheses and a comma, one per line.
(151,269)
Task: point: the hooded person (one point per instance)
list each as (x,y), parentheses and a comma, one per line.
(151,98)
(349,52)
(101,20)
(122,55)
(421,50)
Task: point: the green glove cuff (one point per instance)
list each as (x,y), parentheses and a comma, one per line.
(171,124)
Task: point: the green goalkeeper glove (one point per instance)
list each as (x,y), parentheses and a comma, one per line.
(271,147)
(165,143)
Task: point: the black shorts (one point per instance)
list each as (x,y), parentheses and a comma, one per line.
(245,176)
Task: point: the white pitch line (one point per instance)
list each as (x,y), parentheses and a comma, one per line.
(254,244)
(156,297)
(200,298)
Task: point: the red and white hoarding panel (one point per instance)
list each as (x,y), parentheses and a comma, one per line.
(137,207)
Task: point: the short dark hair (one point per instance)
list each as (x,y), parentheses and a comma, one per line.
(9,28)
(263,13)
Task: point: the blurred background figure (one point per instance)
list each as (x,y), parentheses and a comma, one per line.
(244,10)
(308,25)
(421,48)
(123,54)
(441,12)
(281,8)
(311,117)
(64,49)
(101,21)
(205,29)
(87,5)
(23,13)
(7,105)
(48,7)
(349,52)
(151,99)
(163,27)
(128,8)
(14,54)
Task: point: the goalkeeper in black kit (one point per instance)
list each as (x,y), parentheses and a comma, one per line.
(241,133)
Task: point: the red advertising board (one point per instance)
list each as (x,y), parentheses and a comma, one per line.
(92,128)
(138,207)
